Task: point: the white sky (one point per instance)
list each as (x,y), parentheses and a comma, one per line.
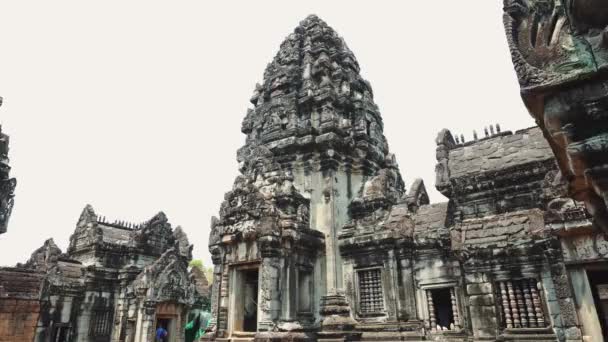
(136,106)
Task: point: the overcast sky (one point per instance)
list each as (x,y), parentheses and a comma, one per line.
(136,106)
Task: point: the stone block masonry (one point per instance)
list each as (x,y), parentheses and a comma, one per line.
(19,304)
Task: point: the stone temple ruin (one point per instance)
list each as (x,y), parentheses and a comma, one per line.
(318,239)
(117,281)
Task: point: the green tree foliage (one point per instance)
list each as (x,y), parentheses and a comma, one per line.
(197,263)
(208,271)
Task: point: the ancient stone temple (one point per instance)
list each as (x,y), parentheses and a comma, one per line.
(118,281)
(319,240)
(7,184)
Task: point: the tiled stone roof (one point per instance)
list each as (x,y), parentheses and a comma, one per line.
(499,152)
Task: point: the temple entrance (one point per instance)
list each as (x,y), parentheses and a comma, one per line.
(245,318)
(164,323)
(598,280)
(171,317)
(250,307)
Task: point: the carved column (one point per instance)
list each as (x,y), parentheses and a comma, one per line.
(269,306)
(455,308)
(290,290)
(529,305)
(505,305)
(513,304)
(431,308)
(521,306)
(540,318)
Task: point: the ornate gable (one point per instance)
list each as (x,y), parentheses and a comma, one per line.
(167,280)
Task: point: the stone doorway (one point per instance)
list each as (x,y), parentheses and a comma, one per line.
(165,323)
(245,312)
(170,316)
(598,280)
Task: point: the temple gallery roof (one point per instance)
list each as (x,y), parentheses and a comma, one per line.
(499,152)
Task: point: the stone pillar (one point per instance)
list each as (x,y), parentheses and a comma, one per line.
(504,297)
(564,296)
(455,310)
(394,304)
(329,225)
(408,310)
(482,306)
(146,321)
(290,291)
(432,321)
(530,306)
(216,257)
(592,330)
(269,301)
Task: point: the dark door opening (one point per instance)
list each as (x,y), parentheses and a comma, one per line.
(164,323)
(599,287)
(250,304)
(442,302)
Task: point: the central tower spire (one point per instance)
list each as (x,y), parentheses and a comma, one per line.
(314,152)
(313,101)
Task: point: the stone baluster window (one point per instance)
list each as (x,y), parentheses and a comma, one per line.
(443,313)
(521,304)
(61,332)
(101,322)
(371,297)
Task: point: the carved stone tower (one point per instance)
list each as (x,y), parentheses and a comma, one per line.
(314,138)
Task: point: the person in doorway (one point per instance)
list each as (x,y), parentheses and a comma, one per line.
(161,334)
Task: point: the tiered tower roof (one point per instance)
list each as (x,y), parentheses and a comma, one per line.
(314,104)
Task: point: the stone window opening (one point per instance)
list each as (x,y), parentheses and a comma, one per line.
(520,303)
(101,322)
(371,296)
(61,332)
(443,309)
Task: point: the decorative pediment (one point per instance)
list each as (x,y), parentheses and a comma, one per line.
(167,280)
(87,216)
